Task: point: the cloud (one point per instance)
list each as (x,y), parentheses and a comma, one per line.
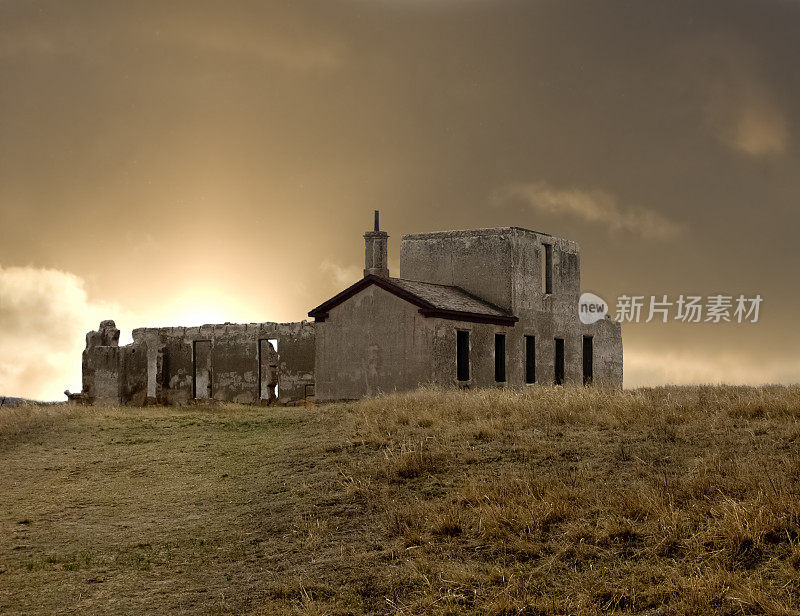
(740,106)
(44,316)
(283,40)
(341,276)
(744,114)
(594,206)
(749,123)
(275,36)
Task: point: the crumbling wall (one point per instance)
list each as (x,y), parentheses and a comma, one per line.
(238,368)
(101,374)
(159,366)
(101,366)
(133,374)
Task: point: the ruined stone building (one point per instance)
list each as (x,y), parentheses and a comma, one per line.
(245,363)
(480,308)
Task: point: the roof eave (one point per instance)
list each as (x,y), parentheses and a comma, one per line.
(320,313)
(471,317)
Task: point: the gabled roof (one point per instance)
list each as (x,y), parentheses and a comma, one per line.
(433,300)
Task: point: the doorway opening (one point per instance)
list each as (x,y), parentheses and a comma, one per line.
(268,369)
(201,363)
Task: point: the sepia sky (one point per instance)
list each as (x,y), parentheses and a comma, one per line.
(176,163)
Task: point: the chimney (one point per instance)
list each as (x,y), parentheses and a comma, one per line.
(376,257)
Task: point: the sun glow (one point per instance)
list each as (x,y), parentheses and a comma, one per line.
(202,306)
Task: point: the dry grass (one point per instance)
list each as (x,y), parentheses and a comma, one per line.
(683,500)
(25,421)
(548,501)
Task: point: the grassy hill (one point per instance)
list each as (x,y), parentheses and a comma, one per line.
(551,501)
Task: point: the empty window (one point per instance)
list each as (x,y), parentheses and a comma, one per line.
(588,360)
(547,269)
(462,355)
(559,363)
(530,359)
(500,358)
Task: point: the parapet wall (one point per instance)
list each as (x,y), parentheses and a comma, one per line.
(504,266)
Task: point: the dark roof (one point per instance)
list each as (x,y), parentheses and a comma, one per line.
(448,298)
(433,300)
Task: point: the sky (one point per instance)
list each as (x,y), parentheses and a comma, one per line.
(179,163)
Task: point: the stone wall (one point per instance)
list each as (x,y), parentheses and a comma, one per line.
(505,266)
(478,261)
(101,366)
(502,266)
(237,363)
(374,342)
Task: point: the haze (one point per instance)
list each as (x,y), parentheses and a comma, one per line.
(177,163)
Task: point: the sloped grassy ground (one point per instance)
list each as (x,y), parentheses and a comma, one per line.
(551,501)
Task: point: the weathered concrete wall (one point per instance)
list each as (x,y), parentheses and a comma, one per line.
(132,374)
(505,266)
(607,336)
(528,250)
(479,262)
(106,335)
(101,365)
(234,360)
(481,353)
(374,342)
(160,364)
(101,374)
(607,356)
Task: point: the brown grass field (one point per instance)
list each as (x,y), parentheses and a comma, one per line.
(677,500)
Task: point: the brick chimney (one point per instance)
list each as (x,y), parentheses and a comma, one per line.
(376,258)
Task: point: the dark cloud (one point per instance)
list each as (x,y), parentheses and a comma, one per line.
(181,152)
